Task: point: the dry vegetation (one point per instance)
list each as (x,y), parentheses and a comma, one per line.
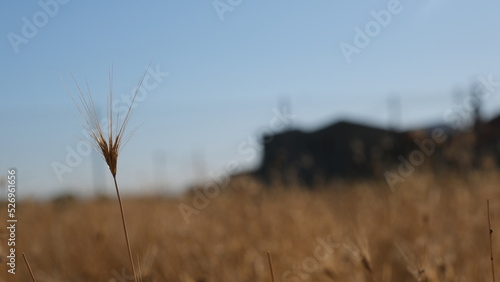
(430,229)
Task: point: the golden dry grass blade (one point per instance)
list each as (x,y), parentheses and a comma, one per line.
(29,268)
(491,240)
(270,265)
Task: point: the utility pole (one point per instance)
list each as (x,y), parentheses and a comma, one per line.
(394,112)
(285,107)
(199,165)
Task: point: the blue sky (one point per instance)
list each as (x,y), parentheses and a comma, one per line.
(221,76)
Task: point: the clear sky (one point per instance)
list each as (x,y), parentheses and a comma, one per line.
(218,72)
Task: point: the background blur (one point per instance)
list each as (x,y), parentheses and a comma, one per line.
(218,72)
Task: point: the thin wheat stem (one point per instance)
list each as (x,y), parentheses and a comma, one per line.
(270,265)
(491,240)
(125,228)
(29,268)
(139,265)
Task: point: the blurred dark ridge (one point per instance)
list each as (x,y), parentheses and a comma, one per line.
(351,150)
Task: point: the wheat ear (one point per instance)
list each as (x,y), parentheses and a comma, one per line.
(110,144)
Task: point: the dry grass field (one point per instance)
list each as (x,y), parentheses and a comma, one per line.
(429,229)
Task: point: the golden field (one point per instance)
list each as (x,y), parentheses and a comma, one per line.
(431,228)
